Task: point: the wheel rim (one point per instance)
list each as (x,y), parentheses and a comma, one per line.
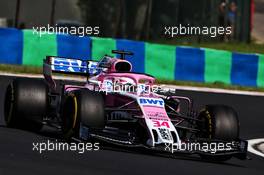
(70,116)
(9,104)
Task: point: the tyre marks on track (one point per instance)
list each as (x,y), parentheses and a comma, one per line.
(256,146)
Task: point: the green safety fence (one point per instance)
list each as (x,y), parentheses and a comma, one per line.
(162,61)
(36,48)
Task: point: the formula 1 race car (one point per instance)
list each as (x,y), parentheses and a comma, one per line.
(119,106)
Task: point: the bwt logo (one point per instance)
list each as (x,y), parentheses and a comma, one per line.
(151,102)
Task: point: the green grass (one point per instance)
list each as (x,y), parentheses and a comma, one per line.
(20,69)
(38,70)
(231,46)
(235,47)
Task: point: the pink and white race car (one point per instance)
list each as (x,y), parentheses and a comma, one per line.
(119,106)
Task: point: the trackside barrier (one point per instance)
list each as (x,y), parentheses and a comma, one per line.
(23,47)
(11,48)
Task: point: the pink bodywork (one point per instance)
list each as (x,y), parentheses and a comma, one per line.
(134,76)
(113,100)
(153,111)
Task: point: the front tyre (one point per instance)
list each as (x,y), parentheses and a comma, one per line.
(219,122)
(82,106)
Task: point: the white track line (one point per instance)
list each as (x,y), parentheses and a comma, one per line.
(252,142)
(56,77)
(186,88)
(215,90)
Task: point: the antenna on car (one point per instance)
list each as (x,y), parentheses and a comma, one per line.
(122,53)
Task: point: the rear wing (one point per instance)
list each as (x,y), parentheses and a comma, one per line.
(68,66)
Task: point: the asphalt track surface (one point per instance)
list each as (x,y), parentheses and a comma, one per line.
(17,157)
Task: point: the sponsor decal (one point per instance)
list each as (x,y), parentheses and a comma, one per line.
(165,134)
(143,88)
(151,102)
(156,118)
(84,132)
(74,65)
(108,86)
(157,115)
(93,68)
(68,65)
(158,124)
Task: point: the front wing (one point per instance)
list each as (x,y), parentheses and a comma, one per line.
(237,148)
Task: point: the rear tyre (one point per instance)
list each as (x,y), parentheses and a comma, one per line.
(25,103)
(82,106)
(219,122)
